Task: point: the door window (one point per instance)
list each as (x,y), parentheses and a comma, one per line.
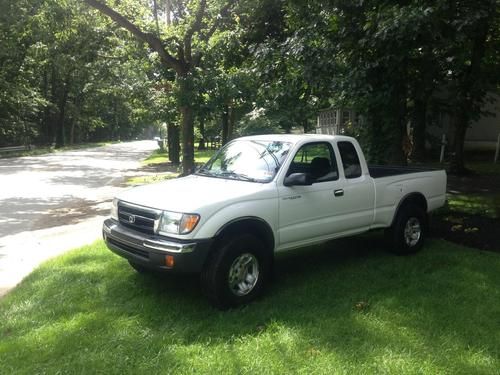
(317,160)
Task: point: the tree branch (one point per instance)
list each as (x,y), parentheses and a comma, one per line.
(155,12)
(153,41)
(224,11)
(194,27)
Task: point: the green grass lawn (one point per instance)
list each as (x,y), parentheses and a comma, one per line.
(486,168)
(161,157)
(347,307)
(151,179)
(156,157)
(487,205)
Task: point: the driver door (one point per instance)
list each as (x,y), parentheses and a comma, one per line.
(308,212)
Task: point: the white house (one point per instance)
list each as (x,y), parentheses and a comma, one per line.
(481,135)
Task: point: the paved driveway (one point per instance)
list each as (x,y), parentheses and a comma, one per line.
(54,202)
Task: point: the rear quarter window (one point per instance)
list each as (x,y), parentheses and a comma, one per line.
(350,159)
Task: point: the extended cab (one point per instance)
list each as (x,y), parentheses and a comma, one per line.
(263,194)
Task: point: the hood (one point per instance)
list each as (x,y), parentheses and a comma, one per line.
(192,193)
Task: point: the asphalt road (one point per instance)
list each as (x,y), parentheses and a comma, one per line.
(52,202)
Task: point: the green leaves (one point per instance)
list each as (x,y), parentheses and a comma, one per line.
(66,76)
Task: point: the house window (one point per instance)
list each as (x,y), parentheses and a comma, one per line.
(326,122)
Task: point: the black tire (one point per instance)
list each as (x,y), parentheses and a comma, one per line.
(139,268)
(220,275)
(408,232)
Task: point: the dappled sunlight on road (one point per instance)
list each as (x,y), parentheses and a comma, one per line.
(46,200)
(32,187)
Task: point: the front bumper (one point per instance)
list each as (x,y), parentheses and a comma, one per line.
(151,250)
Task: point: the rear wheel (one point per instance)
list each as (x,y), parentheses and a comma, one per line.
(237,271)
(409,230)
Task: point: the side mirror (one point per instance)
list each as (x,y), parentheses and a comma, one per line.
(298,179)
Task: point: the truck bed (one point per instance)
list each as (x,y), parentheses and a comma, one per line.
(379,171)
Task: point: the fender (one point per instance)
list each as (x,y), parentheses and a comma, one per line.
(256,225)
(262,211)
(419,198)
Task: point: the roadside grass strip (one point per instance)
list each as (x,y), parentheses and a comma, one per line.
(346,307)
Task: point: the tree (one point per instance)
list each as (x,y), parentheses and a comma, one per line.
(472,64)
(67,78)
(391,60)
(180,47)
(19,104)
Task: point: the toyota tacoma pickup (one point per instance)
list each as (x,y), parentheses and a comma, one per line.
(265,194)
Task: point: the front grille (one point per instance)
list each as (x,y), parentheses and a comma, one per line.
(128,249)
(139,218)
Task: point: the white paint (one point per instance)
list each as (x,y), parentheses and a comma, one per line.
(314,214)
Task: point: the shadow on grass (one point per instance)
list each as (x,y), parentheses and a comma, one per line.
(346,306)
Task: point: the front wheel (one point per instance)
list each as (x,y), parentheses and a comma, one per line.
(408,231)
(237,271)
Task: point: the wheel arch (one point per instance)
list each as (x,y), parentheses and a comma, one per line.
(249,224)
(416,199)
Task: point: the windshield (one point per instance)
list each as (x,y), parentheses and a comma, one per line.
(247,160)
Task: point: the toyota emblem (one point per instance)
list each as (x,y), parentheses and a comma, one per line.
(131,219)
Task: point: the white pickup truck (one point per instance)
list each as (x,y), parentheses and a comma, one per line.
(264,194)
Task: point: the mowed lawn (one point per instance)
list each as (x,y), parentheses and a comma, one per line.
(347,307)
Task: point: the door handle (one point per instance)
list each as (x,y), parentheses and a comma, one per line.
(338,192)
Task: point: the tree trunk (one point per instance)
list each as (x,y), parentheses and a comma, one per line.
(168,9)
(305,125)
(45,121)
(187,140)
(225,124)
(232,120)
(395,148)
(467,85)
(72,132)
(60,124)
(457,163)
(201,145)
(419,126)
(187,122)
(53,111)
(402,145)
(77,103)
(173,143)
(375,150)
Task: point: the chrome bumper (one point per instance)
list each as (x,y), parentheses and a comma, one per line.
(150,250)
(129,237)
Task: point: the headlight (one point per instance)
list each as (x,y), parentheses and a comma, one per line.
(176,223)
(114,209)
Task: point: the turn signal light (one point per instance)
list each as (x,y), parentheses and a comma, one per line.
(188,222)
(169,261)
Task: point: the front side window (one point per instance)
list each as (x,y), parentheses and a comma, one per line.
(247,160)
(317,160)
(350,159)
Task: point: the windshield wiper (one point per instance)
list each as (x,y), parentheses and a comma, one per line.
(276,161)
(238,176)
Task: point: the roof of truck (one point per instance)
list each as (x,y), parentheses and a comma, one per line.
(294,138)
